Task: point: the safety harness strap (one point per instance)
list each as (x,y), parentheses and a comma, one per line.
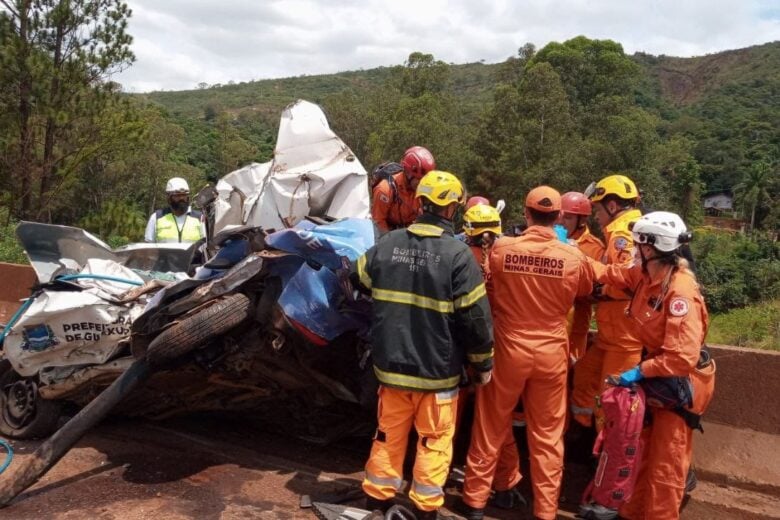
(692,420)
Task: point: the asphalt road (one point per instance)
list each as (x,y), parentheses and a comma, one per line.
(215,467)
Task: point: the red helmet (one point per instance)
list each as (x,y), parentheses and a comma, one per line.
(473,201)
(575,203)
(417,161)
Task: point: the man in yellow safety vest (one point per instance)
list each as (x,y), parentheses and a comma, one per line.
(178,222)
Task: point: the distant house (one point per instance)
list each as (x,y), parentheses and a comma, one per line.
(716,203)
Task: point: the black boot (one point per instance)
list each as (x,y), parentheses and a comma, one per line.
(468,512)
(374,504)
(691,481)
(509,499)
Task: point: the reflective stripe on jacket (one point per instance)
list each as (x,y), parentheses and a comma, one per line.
(167,229)
(430,312)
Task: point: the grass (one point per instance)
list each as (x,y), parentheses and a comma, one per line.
(10,250)
(754,326)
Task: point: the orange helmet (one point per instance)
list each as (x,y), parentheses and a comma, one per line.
(544,199)
(576,203)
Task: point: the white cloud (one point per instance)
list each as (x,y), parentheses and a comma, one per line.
(179,43)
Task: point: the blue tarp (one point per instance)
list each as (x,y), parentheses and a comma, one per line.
(311,294)
(326,244)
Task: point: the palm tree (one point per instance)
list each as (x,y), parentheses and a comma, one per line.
(752,190)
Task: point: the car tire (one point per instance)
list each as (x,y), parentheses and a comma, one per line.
(24,414)
(197,329)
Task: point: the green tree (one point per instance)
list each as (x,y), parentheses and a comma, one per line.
(590,68)
(232,150)
(526,138)
(424,74)
(753,190)
(57,55)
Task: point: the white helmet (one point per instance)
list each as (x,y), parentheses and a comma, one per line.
(663,230)
(177,185)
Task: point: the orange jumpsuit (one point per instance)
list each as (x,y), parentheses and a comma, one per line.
(672,325)
(617,347)
(535,280)
(507,475)
(593,248)
(393,211)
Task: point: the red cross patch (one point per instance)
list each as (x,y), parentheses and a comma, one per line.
(678,307)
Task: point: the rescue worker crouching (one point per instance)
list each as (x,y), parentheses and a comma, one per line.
(430,316)
(535,280)
(616,347)
(178,222)
(394,203)
(671,318)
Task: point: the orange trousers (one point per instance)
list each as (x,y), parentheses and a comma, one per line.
(589,375)
(507,473)
(539,375)
(660,484)
(668,448)
(433,416)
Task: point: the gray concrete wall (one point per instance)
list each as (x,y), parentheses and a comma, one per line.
(747,389)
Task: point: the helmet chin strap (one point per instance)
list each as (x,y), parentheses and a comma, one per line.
(645,260)
(657,258)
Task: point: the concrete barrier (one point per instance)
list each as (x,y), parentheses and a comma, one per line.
(747,389)
(741,441)
(15,283)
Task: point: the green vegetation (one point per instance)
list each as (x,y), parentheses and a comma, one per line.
(10,250)
(736,270)
(75,150)
(755,326)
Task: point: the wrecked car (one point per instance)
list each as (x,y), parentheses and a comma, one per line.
(269,322)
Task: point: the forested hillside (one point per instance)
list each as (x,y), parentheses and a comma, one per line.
(75,149)
(722,109)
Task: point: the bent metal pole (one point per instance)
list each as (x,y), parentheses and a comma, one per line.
(30,470)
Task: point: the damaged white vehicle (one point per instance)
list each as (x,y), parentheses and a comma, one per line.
(269,317)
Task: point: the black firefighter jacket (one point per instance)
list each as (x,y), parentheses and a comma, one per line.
(430,313)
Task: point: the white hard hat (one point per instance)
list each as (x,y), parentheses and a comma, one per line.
(177,185)
(663,230)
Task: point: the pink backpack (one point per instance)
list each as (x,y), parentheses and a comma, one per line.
(619,449)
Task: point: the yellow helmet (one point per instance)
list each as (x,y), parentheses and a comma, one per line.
(441,188)
(618,185)
(481,218)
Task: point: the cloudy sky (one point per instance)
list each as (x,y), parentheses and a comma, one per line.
(180,43)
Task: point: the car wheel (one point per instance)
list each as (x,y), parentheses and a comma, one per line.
(199,328)
(24,414)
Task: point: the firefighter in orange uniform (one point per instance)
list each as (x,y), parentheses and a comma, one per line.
(535,280)
(669,313)
(482,226)
(394,203)
(430,316)
(575,211)
(617,346)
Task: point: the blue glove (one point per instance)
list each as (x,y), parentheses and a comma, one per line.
(630,377)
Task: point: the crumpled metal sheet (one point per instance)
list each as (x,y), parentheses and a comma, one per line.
(313,173)
(55,250)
